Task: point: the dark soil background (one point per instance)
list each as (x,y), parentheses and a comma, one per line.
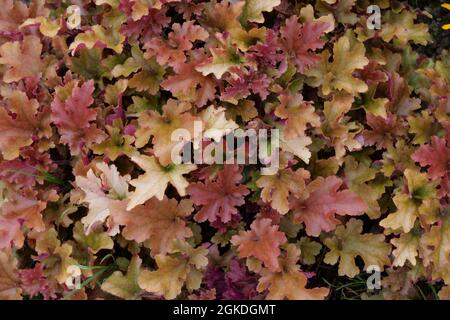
(441,16)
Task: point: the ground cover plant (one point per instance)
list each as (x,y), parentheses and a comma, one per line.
(94,207)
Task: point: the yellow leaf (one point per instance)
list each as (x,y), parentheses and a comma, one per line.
(185,265)
(167,280)
(47,27)
(154,181)
(222,60)
(215,124)
(411,205)
(435,246)
(125,286)
(175,117)
(406,249)
(253,9)
(401,26)
(277,187)
(348,243)
(111,38)
(348,56)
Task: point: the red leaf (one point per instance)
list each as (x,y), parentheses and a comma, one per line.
(267,54)
(245,82)
(189,84)
(299,41)
(318,210)
(171,52)
(221,197)
(73,117)
(383,130)
(436,155)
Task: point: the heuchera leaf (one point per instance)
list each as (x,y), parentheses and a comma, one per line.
(219,198)
(436,247)
(253,9)
(401,26)
(124,286)
(9,280)
(180,40)
(147,74)
(413,204)
(348,243)
(102,203)
(436,155)
(160,127)
(348,56)
(20,122)
(289,282)
(157,221)
(190,85)
(186,265)
(298,114)
(73,117)
(99,36)
(301,40)
(406,248)
(323,200)
(22,59)
(276,188)
(156,178)
(101,99)
(262,242)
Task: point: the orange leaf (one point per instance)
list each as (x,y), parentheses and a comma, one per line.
(262,242)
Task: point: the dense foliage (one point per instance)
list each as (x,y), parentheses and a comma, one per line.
(91,91)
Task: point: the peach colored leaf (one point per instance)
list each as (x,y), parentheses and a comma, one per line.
(297,113)
(219,198)
(175,116)
(322,201)
(262,242)
(73,117)
(157,221)
(104,195)
(22,59)
(9,280)
(172,51)
(276,188)
(253,9)
(289,282)
(20,123)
